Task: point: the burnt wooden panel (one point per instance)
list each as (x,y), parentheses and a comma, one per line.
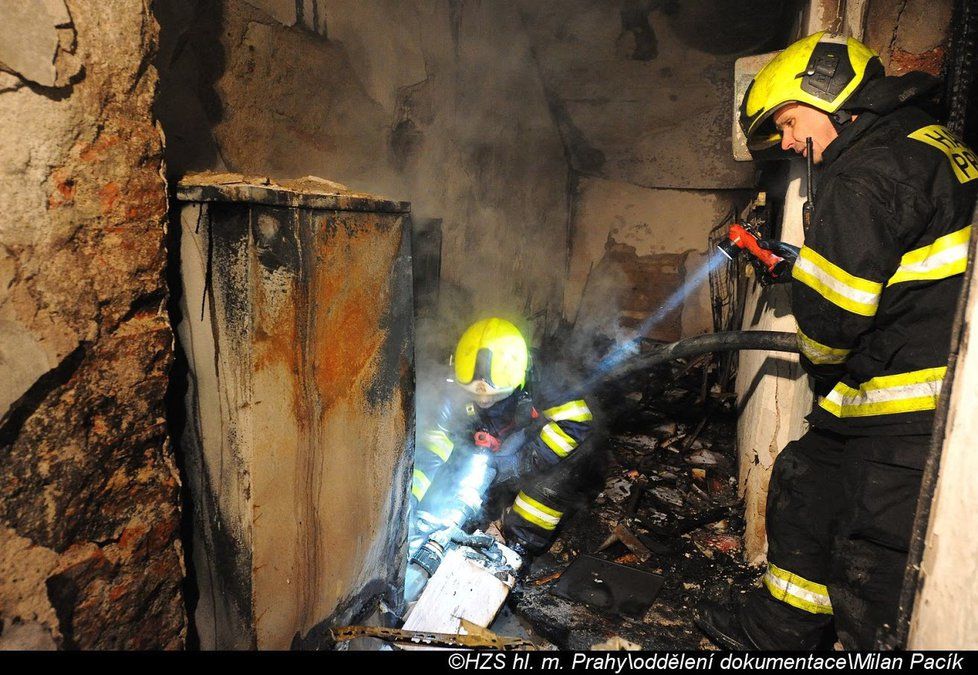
(299,405)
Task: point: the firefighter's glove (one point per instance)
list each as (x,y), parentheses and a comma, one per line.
(781,274)
(506,460)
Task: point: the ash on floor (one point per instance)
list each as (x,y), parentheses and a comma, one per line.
(670,482)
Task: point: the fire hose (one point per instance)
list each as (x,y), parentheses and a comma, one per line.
(735,340)
(762,340)
(431,548)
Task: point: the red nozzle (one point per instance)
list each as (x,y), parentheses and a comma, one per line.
(484,439)
(743,239)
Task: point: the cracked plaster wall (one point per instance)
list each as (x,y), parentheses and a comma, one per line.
(909,34)
(89,496)
(510,124)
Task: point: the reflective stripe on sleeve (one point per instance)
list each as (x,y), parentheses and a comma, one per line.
(946,257)
(557,440)
(821,354)
(573,411)
(534,512)
(851,293)
(887,395)
(797,591)
(438,442)
(420,484)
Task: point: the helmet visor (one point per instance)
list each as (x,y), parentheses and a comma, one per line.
(765,136)
(484,394)
(758,128)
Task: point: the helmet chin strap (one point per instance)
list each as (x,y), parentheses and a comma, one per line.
(840,118)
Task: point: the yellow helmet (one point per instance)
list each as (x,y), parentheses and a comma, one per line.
(821,70)
(491,360)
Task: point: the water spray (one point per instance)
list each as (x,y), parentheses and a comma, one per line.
(632,347)
(440,519)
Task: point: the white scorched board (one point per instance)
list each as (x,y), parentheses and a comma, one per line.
(460,589)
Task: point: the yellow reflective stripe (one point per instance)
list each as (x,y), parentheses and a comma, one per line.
(420,484)
(962,158)
(887,395)
(539,506)
(534,512)
(820,354)
(557,439)
(851,293)
(574,411)
(946,257)
(439,443)
(797,591)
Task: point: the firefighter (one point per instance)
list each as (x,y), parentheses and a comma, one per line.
(493,416)
(874,290)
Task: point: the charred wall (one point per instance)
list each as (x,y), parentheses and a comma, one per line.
(429,101)
(538,136)
(89,507)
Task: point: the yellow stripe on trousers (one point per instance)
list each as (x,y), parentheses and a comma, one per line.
(797,591)
(535,512)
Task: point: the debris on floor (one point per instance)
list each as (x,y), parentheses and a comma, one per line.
(616,644)
(609,586)
(664,523)
(481,639)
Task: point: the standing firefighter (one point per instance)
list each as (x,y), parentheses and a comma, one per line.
(874,292)
(494,435)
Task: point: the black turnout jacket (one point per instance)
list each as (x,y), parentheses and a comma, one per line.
(877,281)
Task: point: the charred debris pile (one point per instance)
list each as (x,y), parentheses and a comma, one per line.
(659,527)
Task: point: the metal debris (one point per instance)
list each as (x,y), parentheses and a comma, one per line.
(609,586)
(486,640)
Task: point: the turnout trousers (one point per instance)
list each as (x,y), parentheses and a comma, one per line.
(840,511)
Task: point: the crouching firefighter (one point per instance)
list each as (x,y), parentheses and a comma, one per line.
(874,291)
(492,433)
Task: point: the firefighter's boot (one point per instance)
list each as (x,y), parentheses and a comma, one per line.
(723,627)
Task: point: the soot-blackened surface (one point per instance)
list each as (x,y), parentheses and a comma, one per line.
(654,440)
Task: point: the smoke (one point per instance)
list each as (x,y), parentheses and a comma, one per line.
(436,334)
(630,347)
